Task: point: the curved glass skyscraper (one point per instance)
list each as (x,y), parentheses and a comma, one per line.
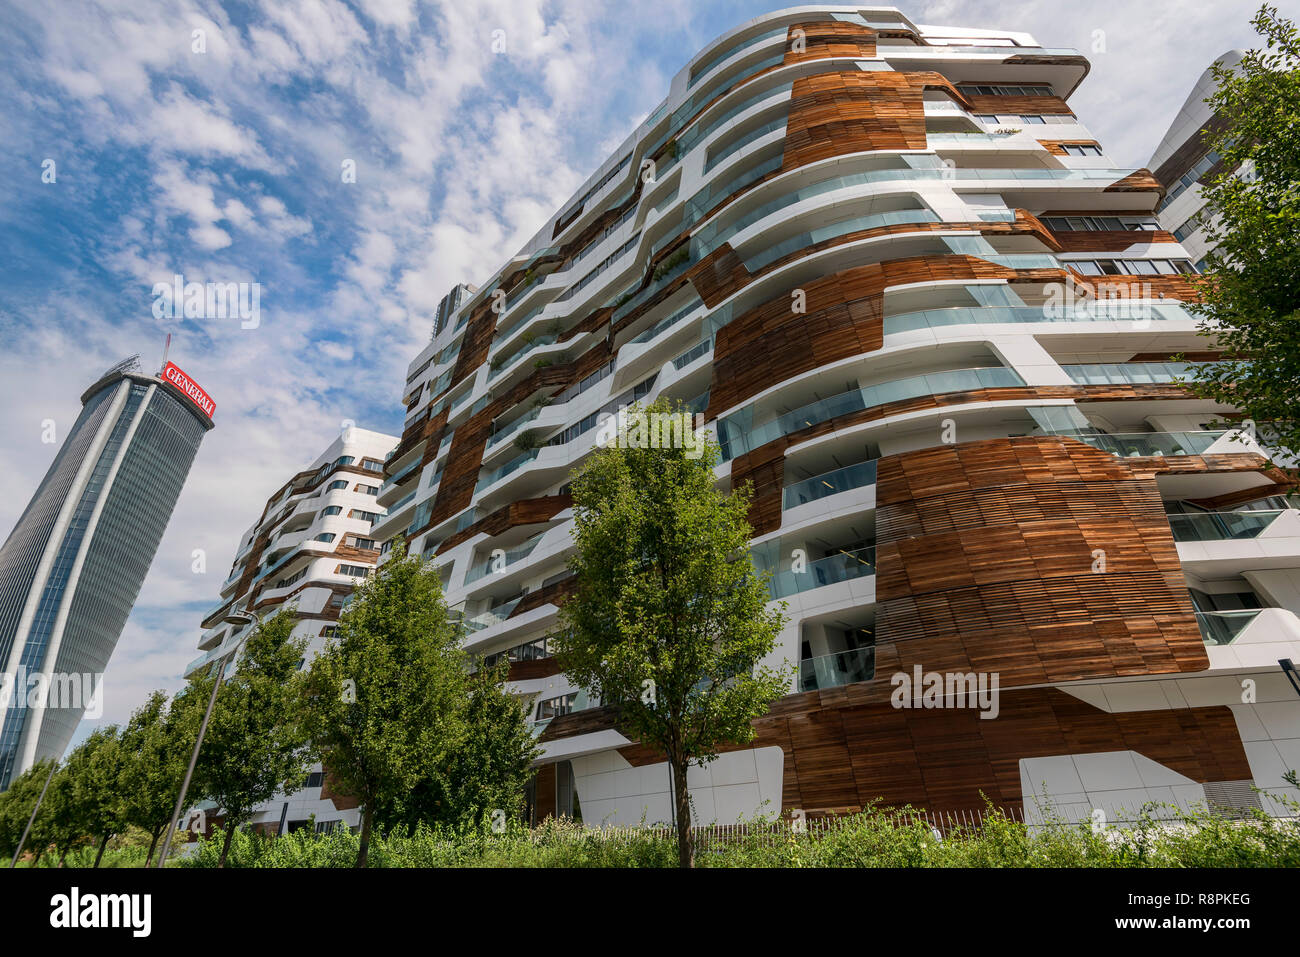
(73,565)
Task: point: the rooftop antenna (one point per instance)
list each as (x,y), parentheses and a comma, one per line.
(166,349)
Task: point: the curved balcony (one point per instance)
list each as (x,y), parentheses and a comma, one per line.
(829,483)
(1220,526)
(840,567)
(838,669)
(1144,444)
(1223,627)
(1094,311)
(737,437)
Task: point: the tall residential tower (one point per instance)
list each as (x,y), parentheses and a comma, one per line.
(308,548)
(72,567)
(932,323)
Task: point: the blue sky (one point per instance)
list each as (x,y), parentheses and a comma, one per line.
(225,165)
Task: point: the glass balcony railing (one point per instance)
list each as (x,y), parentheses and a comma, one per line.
(705,66)
(829,483)
(514,427)
(1102,310)
(1220,526)
(401,503)
(833,231)
(838,669)
(839,567)
(1223,627)
(513,465)
(1141,444)
(491,617)
(726,152)
(672,320)
(690,355)
(396,478)
(1122,373)
(711,237)
(737,438)
(501,563)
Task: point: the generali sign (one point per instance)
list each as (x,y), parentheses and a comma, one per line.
(172,373)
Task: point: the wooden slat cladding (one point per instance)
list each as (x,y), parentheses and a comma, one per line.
(536,668)
(1057,147)
(1192,149)
(1138,181)
(1026,105)
(844,757)
(843,753)
(828,38)
(525,511)
(554,593)
(986,561)
(832,114)
(1108,240)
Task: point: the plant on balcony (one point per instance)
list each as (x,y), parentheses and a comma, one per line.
(681,255)
(542,362)
(669,618)
(496,363)
(527,442)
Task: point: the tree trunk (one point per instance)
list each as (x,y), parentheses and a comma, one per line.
(36,861)
(225,848)
(63,857)
(102,844)
(682,802)
(363,852)
(152,844)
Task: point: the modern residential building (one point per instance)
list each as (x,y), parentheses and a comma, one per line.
(933,325)
(309,548)
(1184,160)
(72,567)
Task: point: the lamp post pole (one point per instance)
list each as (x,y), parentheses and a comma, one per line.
(247,620)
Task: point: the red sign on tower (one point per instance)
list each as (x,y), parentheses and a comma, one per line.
(172,373)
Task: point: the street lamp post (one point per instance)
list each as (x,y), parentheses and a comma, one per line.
(246,620)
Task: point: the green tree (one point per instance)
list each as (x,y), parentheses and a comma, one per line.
(384,699)
(669,620)
(255,743)
(98,785)
(84,803)
(490,769)
(1250,288)
(16,804)
(156,746)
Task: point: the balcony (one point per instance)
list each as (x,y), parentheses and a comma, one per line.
(513,555)
(491,617)
(838,669)
(737,437)
(829,483)
(1220,526)
(1145,444)
(1223,627)
(840,567)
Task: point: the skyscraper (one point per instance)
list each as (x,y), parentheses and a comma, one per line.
(933,325)
(1183,161)
(72,567)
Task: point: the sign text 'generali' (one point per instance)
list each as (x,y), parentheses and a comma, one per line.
(173,374)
